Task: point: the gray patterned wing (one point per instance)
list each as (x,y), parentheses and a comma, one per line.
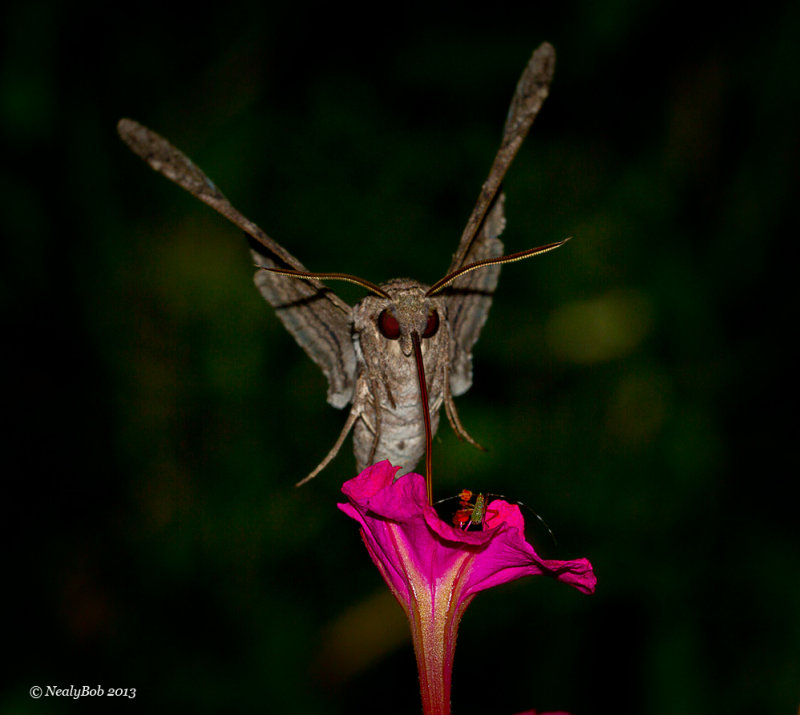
(469,297)
(318,320)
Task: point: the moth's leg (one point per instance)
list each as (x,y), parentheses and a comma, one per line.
(453,419)
(385,380)
(377,430)
(351,418)
(365,419)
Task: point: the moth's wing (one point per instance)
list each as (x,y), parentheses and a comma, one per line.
(532,89)
(318,320)
(469,298)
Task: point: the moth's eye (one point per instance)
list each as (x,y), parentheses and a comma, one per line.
(388,325)
(432,326)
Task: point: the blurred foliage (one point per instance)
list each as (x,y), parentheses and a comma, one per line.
(632,387)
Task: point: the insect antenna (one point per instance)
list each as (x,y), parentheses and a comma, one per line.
(541,520)
(538,516)
(309,276)
(510,258)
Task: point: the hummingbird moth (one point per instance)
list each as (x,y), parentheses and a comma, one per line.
(367,351)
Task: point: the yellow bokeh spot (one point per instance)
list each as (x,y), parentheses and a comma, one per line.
(599,329)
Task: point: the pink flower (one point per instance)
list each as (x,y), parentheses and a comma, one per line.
(435,570)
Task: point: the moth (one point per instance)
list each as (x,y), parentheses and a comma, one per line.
(373,353)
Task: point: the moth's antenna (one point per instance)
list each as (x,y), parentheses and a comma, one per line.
(426,415)
(510,258)
(308,276)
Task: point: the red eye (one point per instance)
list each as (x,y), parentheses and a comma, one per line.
(388,325)
(432,326)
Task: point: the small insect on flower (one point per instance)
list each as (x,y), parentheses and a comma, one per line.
(474,511)
(471,512)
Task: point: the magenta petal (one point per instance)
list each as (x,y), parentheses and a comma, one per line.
(395,513)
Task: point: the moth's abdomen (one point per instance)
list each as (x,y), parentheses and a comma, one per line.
(401,439)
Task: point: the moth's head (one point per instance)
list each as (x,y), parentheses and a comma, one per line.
(406,309)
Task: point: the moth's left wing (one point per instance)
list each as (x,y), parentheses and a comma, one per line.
(318,320)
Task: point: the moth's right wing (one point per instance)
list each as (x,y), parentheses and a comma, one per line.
(318,320)
(469,297)
(532,89)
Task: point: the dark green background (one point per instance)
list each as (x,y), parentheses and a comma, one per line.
(632,387)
